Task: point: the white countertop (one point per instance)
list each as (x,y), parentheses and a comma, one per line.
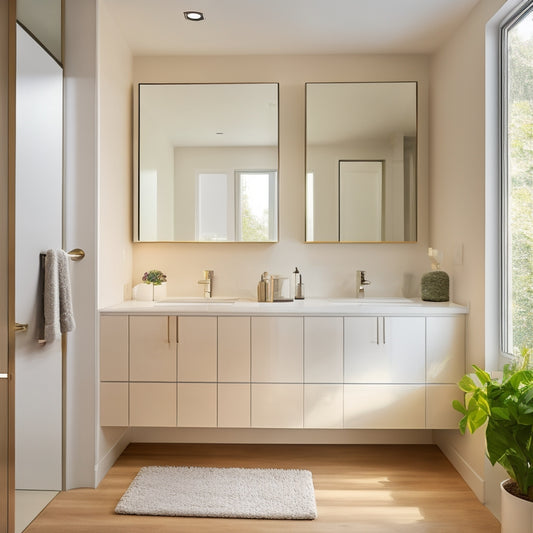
(307,307)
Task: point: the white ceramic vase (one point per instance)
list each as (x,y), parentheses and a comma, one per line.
(160,292)
(143,292)
(517,514)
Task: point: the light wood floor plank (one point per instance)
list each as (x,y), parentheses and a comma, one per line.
(360,488)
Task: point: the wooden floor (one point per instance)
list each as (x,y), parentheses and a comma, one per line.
(358,488)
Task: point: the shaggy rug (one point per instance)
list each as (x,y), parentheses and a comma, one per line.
(220,492)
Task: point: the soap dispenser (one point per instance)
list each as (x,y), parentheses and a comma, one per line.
(298,285)
(263,288)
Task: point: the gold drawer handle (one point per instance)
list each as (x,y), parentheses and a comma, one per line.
(21,327)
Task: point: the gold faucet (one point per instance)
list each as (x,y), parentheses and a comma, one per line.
(360,282)
(207,282)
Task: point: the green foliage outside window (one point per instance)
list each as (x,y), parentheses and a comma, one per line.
(520,169)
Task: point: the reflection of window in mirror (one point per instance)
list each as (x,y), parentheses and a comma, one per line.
(256,217)
(309,206)
(239,207)
(214,211)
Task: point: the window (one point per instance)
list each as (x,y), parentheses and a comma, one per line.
(517,181)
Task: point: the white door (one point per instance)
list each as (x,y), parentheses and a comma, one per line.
(39,154)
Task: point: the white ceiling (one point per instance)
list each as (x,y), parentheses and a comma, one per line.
(158,27)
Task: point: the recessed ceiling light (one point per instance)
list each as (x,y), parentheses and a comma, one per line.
(193,15)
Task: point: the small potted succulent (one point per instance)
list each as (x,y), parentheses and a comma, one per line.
(158,280)
(506,406)
(155,277)
(153,286)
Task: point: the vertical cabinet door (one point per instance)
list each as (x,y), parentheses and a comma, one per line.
(233,405)
(153,404)
(323,405)
(197,405)
(114,403)
(152,348)
(384,349)
(233,349)
(114,348)
(445,355)
(439,411)
(197,348)
(277,349)
(323,350)
(277,405)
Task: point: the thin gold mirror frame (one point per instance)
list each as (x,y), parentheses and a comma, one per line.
(361,121)
(217,119)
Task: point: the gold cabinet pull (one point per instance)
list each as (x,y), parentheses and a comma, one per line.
(21,327)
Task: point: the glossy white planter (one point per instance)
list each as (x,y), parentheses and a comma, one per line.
(517,514)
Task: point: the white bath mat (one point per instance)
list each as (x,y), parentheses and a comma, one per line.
(220,492)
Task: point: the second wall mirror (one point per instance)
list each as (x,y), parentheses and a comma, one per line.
(207,163)
(361,162)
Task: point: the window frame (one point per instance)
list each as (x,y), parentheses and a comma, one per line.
(509,22)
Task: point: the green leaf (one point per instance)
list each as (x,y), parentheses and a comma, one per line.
(458,406)
(484,377)
(501,413)
(467,384)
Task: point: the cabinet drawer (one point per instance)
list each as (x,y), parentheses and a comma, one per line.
(234,405)
(323,406)
(439,411)
(197,405)
(384,406)
(277,406)
(114,404)
(153,404)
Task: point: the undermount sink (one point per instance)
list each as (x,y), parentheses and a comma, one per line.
(374,300)
(177,300)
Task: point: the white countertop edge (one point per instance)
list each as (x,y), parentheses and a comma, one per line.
(308,307)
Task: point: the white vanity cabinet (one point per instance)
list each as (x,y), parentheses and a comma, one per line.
(294,371)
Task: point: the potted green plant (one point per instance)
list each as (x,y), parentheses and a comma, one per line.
(505,404)
(158,281)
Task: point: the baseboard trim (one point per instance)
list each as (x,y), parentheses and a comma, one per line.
(280,436)
(102,467)
(472,479)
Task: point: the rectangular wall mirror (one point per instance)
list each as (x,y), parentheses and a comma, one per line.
(207,163)
(361,154)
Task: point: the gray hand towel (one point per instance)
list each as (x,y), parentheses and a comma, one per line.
(58,313)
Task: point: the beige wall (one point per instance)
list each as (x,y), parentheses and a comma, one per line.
(115,161)
(328,269)
(457,198)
